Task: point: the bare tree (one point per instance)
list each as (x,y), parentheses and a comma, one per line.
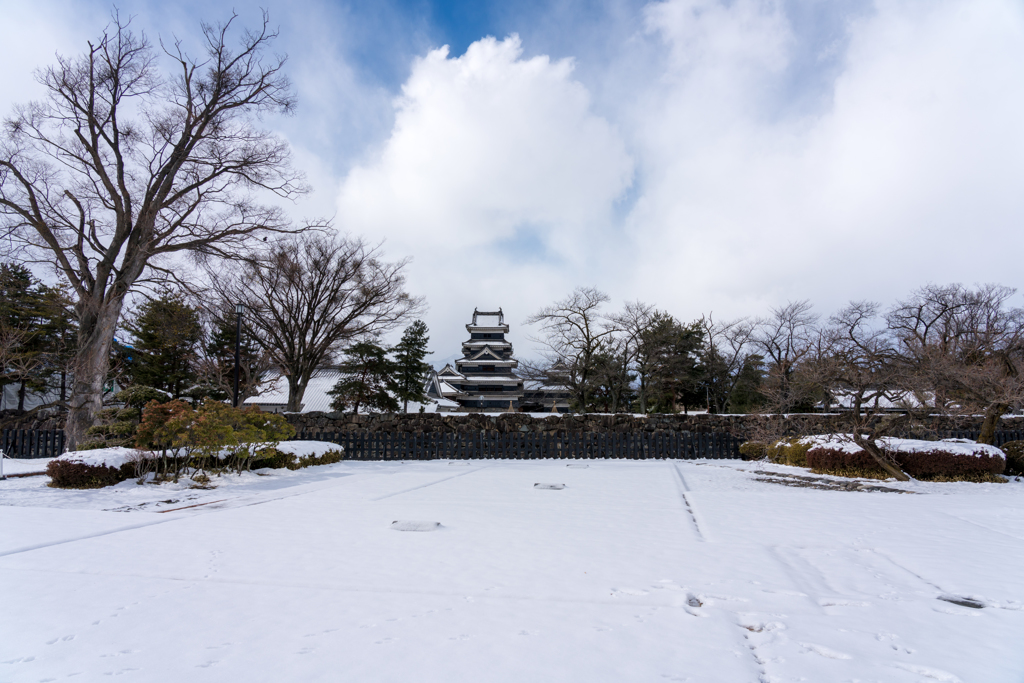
(726,348)
(575,333)
(786,338)
(123,166)
(966,348)
(307,296)
(859,360)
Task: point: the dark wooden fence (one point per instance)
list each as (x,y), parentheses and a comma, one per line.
(528,446)
(32,443)
(48,443)
(1001,437)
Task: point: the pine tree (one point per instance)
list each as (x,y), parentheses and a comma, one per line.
(368,380)
(23,314)
(410,367)
(167,334)
(58,334)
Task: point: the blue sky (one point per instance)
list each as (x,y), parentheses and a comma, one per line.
(705,156)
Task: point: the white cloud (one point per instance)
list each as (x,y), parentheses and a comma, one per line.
(908,177)
(498,178)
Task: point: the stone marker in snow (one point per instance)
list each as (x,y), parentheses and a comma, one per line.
(400,525)
(555,487)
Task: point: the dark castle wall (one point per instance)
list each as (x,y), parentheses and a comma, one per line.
(741,426)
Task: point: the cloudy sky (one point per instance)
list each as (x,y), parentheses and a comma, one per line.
(707,157)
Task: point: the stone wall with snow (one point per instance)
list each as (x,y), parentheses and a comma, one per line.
(742,426)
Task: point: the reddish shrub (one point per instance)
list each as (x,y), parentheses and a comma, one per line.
(65,474)
(936,462)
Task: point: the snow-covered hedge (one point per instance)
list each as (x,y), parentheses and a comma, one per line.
(95,468)
(298,454)
(108,466)
(951,458)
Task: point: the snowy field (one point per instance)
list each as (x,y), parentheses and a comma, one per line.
(634,571)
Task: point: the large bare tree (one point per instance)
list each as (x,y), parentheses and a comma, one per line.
(575,333)
(307,296)
(727,346)
(786,338)
(124,165)
(858,359)
(966,349)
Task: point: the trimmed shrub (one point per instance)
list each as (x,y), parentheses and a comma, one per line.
(753,450)
(790,451)
(1014,458)
(65,474)
(929,460)
(328,458)
(275,460)
(91,445)
(278,460)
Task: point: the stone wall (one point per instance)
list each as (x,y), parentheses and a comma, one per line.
(742,426)
(21,419)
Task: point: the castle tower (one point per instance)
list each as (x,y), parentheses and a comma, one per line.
(483,380)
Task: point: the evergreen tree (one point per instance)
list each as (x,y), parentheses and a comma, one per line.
(167,333)
(410,367)
(368,380)
(746,395)
(23,329)
(57,335)
(667,362)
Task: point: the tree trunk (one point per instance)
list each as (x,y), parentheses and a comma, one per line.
(21,397)
(92,361)
(875,452)
(988,427)
(296,390)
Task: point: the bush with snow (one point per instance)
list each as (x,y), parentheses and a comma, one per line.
(108,466)
(94,468)
(949,459)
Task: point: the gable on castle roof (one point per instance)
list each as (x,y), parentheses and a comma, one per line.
(449,371)
(484,353)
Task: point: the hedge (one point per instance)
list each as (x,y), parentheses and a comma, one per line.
(66,474)
(933,463)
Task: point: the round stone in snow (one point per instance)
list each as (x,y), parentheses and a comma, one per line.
(556,487)
(402,525)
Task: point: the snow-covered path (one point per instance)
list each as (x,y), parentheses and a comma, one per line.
(635,571)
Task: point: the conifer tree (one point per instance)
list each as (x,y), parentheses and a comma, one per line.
(367,379)
(410,367)
(167,333)
(29,314)
(218,368)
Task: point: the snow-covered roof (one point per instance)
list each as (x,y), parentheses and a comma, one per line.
(894,401)
(486,351)
(449,371)
(314,399)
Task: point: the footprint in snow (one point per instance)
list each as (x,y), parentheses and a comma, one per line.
(928,672)
(824,602)
(825,652)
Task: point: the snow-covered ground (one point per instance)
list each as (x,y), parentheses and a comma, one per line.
(634,571)
(24,465)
